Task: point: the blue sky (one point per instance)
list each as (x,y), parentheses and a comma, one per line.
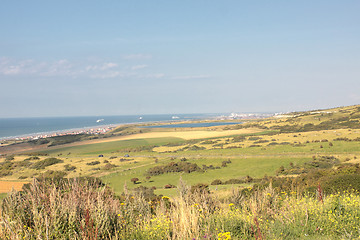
(73,58)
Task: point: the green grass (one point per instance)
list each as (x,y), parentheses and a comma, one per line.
(240,167)
(109,147)
(253,161)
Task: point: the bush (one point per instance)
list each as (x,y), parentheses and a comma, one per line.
(174,167)
(52,174)
(6,168)
(109,166)
(69,167)
(9,158)
(239,138)
(32,158)
(217,182)
(254,138)
(46,162)
(262,141)
(225,163)
(93,163)
(234,181)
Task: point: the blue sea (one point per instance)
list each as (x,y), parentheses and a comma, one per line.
(16,127)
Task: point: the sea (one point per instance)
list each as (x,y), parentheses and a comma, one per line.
(23,127)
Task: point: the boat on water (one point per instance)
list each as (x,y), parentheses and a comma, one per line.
(140,118)
(99,120)
(175,117)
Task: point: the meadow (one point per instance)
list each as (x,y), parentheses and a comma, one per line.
(261,179)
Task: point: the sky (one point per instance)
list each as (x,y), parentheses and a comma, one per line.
(131,57)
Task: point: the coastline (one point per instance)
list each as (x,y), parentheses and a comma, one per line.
(25,128)
(122,121)
(74,131)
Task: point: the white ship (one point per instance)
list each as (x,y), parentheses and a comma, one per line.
(99,120)
(175,117)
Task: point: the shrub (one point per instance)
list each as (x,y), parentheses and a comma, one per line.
(93,163)
(262,141)
(52,174)
(280,170)
(254,138)
(9,158)
(224,163)
(248,179)
(234,181)
(216,182)
(6,168)
(46,162)
(239,138)
(32,158)
(109,166)
(174,167)
(69,167)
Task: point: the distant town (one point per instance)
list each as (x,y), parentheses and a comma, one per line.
(90,131)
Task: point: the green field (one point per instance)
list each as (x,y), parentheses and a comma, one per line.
(112,147)
(277,142)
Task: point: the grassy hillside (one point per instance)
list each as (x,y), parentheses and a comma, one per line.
(292,176)
(255,148)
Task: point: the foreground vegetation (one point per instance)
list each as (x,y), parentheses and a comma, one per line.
(87,209)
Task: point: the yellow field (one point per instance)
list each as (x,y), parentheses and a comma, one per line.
(6,186)
(188,135)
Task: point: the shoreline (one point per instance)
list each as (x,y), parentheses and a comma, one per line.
(92,130)
(90,125)
(102,129)
(73,131)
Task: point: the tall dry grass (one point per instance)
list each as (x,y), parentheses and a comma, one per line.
(86,209)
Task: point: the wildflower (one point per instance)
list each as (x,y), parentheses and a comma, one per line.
(224,236)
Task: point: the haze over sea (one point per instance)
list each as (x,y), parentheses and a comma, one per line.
(15,127)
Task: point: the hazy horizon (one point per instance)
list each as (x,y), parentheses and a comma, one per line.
(89,58)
